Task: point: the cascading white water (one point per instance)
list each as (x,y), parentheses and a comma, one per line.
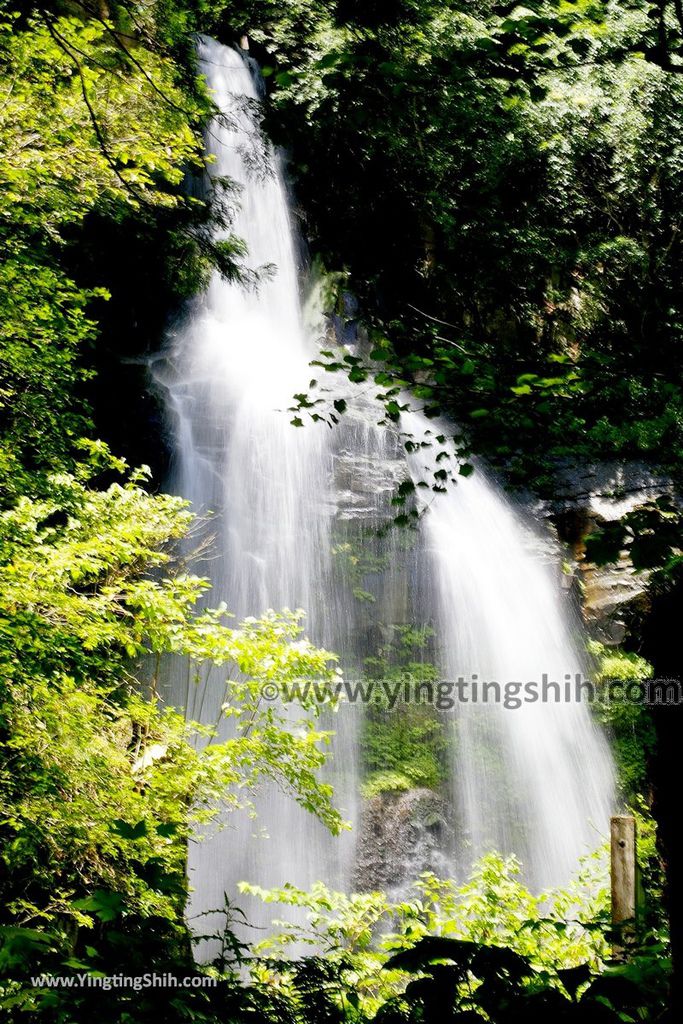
(537,778)
(533,780)
(233,368)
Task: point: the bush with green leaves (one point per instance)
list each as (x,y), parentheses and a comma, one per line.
(485,949)
(101,783)
(554,929)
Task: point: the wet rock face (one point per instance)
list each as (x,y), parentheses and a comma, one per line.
(613,597)
(399,836)
(367,468)
(608,491)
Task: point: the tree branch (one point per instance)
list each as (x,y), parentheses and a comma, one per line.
(99,135)
(118,41)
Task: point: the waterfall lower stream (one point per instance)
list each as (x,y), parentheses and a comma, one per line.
(530,776)
(536,780)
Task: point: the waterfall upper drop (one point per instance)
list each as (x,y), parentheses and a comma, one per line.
(241,357)
(235,363)
(537,780)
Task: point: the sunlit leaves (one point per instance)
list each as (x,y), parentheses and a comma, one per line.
(551,930)
(107,781)
(80,127)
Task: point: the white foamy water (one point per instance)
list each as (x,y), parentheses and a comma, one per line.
(233,368)
(536,781)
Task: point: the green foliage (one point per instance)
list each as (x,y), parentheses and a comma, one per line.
(459,980)
(100,122)
(358,566)
(651,910)
(404,742)
(614,663)
(402,749)
(515,177)
(376,959)
(66,125)
(43,325)
(492,907)
(101,784)
(633,741)
(389,780)
(486,949)
(630,723)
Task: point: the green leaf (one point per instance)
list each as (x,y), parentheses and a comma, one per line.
(127,831)
(105,905)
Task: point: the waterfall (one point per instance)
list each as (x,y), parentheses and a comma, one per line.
(536,780)
(233,367)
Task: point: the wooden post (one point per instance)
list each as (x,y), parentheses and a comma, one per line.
(624,873)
